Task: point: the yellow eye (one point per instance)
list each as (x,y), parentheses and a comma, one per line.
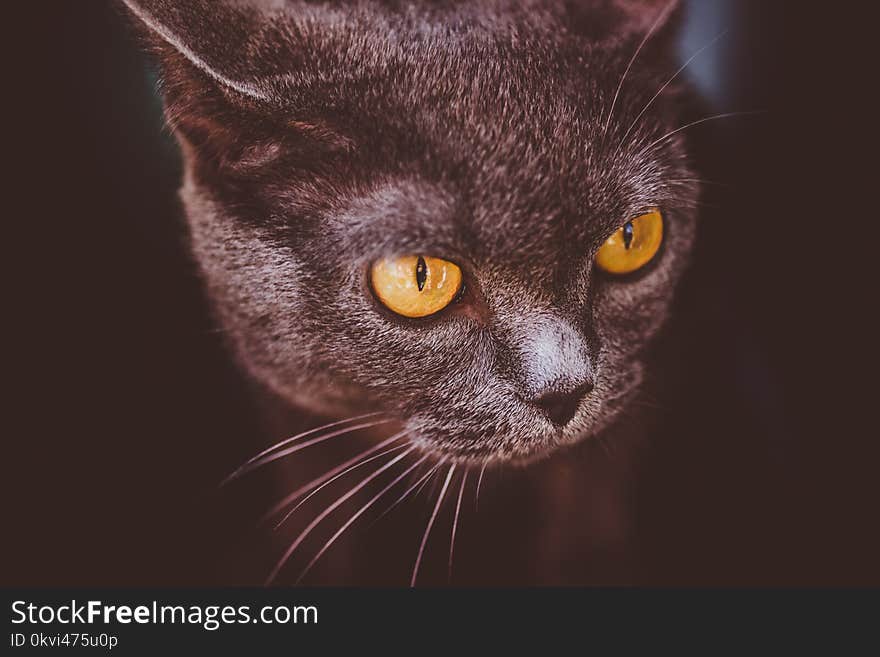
(632,246)
(414,285)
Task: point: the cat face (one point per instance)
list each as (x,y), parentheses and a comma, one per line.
(320,139)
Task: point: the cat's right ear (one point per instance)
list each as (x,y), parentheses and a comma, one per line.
(212,37)
(208,93)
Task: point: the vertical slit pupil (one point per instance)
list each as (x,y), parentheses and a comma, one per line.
(421,273)
(627,234)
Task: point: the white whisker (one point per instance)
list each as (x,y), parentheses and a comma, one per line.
(426,480)
(409,490)
(455,522)
(479,483)
(604,447)
(341,474)
(326,512)
(415,573)
(239,471)
(693,123)
(670,81)
(292,497)
(300,446)
(357,515)
(699,181)
(660,18)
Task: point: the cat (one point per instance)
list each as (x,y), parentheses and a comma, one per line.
(509,143)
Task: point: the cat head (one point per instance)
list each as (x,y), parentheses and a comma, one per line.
(338,155)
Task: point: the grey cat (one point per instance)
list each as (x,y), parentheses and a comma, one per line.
(514,140)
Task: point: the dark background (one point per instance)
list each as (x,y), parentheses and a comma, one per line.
(123,411)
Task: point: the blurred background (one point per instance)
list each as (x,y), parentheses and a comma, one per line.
(125,411)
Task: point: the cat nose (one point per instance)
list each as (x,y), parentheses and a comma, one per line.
(551,363)
(560,407)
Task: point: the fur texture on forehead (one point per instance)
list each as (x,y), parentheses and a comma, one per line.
(496,94)
(310,57)
(318,136)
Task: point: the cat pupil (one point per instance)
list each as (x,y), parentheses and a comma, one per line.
(421,273)
(627,235)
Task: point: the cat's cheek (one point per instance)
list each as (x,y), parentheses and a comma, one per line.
(627,318)
(256,291)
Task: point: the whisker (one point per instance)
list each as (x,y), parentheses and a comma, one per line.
(693,123)
(692,204)
(479,483)
(670,81)
(605,448)
(326,512)
(287,441)
(341,474)
(701,181)
(428,479)
(408,491)
(455,522)
(292,497)
(415,573)
(660,18)
(357,515)
(636,403)
(259,462)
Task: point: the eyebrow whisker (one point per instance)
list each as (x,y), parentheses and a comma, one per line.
(669,81)
(715,117)
(660,17)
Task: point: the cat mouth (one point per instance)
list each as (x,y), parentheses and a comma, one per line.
(531,435)
(532,443)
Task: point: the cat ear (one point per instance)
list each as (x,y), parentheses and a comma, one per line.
(210,95)
(214,37)
(220,62)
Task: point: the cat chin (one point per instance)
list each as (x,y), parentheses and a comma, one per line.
(519,453)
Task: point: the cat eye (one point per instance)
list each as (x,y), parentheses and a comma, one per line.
(415,285)
(633,245)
